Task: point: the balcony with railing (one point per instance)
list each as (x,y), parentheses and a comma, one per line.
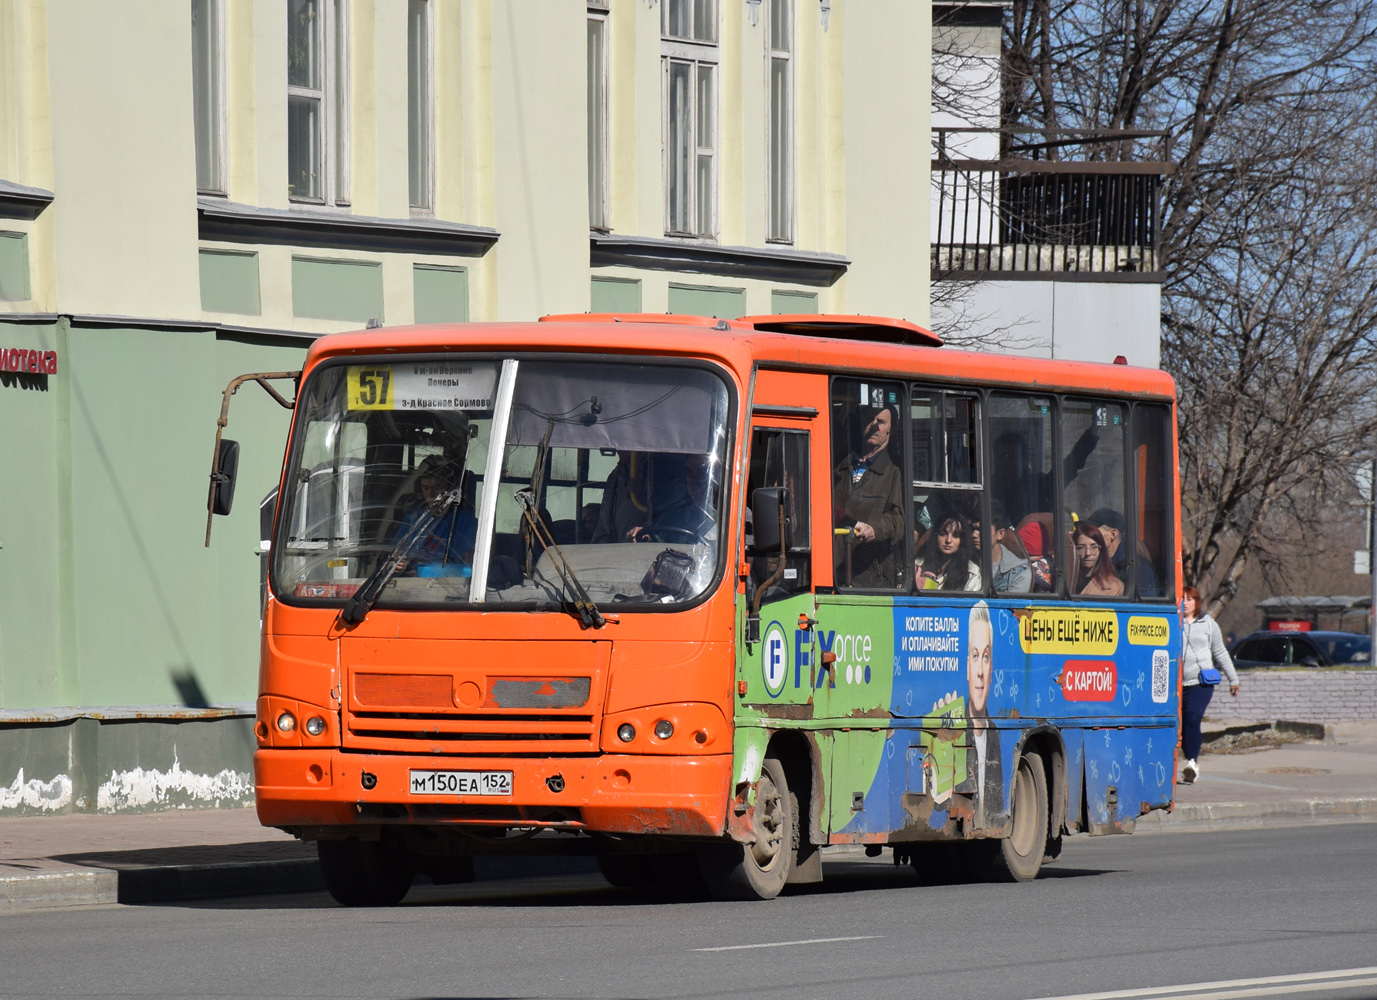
(1049,203)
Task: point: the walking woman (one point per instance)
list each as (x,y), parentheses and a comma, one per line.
(1204,656)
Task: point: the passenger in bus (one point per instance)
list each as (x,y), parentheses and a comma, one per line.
(623,499)
(868,498)
(446,548)
(1035,532)
(1010,571)
(1095,576)
(1111,525)
(945,560)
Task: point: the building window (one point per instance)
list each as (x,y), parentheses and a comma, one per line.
(418,107)
(207,93)
(317,101)
(690,55)
(781,125)
(597,118)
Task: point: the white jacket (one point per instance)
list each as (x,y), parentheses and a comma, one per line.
(1203,646)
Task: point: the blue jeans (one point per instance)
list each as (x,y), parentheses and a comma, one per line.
(1194,700)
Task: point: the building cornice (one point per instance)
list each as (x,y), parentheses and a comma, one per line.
(232,222)
(797,267)
(20,202)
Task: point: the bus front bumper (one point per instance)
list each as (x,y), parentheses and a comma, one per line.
(611,793)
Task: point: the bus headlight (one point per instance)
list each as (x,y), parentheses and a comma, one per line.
(664,729)
(315,725)
(626,732)
(286,722)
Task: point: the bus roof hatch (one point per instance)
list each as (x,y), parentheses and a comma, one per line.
(875,328)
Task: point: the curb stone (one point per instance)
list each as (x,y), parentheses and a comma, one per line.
(158,884)
(1246,815)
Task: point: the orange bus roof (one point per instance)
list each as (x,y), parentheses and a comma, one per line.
(741,345)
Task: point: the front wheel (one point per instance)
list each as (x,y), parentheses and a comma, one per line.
(359,873)
(759,870)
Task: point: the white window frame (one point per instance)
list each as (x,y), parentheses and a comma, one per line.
(786,178)
(333,96)
(217,183)
(696,56)
(426,207)
(599,213)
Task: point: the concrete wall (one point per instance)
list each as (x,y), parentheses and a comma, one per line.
(1071,320)
(1299,696)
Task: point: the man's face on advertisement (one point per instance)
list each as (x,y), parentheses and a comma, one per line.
(979,665)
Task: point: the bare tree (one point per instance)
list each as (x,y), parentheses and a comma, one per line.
(1266,234)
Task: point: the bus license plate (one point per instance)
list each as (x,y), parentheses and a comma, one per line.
(461,782)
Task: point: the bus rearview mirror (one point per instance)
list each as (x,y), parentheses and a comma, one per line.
(222,479)
(767,503)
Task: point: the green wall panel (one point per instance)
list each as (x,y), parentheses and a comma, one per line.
(615,295)
(441,294)
(31,517)
(14,267)
(229,282)
(707,300)
(784,303)
(337,289)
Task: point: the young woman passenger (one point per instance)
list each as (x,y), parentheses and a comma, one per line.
(1011,571)
(1095,576)
(945,561)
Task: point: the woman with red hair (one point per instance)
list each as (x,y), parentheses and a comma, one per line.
(1095,576)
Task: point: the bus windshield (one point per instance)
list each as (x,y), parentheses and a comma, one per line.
(621,466)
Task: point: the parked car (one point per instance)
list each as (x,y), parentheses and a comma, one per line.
(1302,649)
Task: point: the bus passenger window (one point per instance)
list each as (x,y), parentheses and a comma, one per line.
(1093,470)
(1152,462)
(1021,486)
(867,485)
(946,490)
(780,458)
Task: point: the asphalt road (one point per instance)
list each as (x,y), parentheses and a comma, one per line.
(1140,914)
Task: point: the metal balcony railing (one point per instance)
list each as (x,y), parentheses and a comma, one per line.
(1046,200)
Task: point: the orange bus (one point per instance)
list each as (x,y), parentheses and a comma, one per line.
(703,597)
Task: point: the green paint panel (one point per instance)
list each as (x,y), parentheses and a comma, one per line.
(229,282)
(706,300)
(337,289)
(790,303)
(14,267)
(441,294)
(32,509)
(615,295)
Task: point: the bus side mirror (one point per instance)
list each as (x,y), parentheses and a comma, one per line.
(222,479)
(767,505)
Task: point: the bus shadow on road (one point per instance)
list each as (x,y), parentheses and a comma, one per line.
(589,889)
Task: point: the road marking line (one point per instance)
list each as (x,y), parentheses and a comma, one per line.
(1272,991)
(1306,981)
(788,944)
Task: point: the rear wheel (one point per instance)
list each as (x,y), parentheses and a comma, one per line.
(759,870)
(359,873)
(1018,857)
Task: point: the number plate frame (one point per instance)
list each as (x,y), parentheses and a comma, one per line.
(483,784)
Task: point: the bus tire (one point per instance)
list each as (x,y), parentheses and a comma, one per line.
(1019,856)
(759,870)
(359,873)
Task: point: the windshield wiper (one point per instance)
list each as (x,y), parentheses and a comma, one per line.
(587,611)
(358,606)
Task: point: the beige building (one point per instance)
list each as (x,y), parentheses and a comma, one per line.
(192,190)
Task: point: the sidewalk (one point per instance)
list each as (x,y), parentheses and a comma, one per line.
(196,854)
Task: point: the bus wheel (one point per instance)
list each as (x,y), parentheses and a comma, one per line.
(359,873)
(1019,856)
(759,870)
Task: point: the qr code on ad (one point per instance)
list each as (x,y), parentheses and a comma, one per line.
(1160,676)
